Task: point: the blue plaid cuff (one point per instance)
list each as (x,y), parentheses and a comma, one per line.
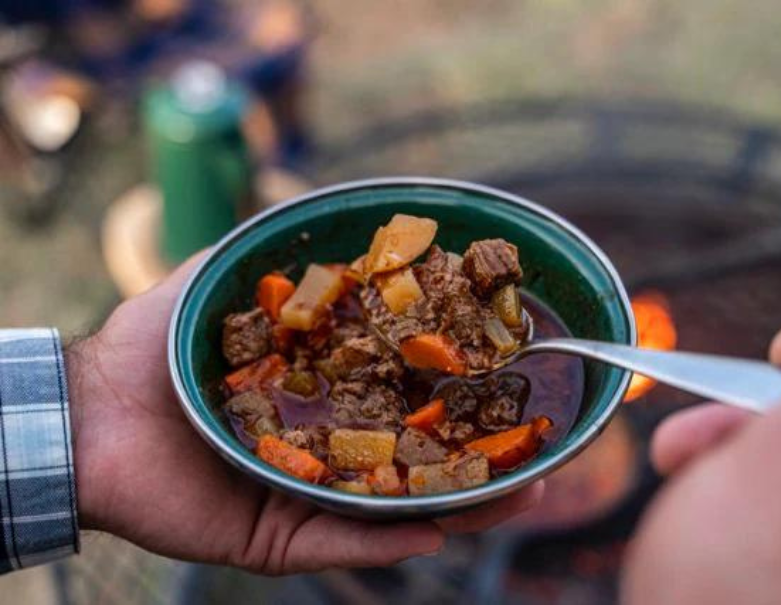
(37,488)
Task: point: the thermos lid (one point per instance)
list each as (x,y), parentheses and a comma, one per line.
(199,86)
(198,101)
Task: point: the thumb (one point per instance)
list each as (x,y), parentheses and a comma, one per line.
(689,433)
(172,285)
(775,350)
(150,312)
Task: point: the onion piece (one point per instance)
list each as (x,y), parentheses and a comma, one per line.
(500,336)
(507,305)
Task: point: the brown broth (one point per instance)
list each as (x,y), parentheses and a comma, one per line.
(555,383)
(556,380)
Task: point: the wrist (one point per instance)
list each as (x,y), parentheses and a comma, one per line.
(83,392)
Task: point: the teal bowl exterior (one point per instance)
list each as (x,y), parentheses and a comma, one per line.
(561,266)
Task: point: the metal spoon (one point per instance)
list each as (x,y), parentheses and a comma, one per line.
(745,383)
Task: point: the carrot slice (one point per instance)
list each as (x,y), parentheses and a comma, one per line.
(428,416)
(508,448)
(435,351)
(292,460)
(541,424)
(272,292)
(256,374)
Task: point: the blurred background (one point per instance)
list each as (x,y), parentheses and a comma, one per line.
(133,132)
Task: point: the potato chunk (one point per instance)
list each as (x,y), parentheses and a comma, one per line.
(399,289)
(399,243)
(358,450)
(319,287)
(356,270)
(468,471)
(358,486)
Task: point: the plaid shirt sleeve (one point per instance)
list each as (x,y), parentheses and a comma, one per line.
(37,488)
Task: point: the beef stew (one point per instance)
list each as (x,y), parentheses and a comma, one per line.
(320,396)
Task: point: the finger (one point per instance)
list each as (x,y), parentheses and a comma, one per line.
(687,434)
(328,540)
(775,350)
(493,513)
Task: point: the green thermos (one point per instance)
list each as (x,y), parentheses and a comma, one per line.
(199,158)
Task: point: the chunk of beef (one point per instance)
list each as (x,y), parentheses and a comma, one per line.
(366,405)
(452,306)
(435,275)
(312,438)
(456,432)
(397,328)
(504,398)
(257,411)
(481,358)
(460,398)
(415,448)
(491,264)
(365,358)
(501,414)
(319,337)
(355,355)
(246,337)
(468,471)
(345,330)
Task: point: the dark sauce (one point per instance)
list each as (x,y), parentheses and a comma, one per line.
(296,411)
(555,382)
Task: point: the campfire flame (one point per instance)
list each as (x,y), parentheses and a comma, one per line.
(655,330)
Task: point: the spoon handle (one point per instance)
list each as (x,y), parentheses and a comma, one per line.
(753,385)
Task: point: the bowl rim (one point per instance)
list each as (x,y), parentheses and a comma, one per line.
(438,503)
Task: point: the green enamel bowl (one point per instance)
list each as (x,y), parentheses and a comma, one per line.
(561,266)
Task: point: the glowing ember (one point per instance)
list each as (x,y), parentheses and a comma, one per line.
(655,330)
